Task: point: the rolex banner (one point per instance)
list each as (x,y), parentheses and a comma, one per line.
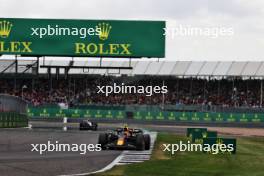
(190,131)
(94,38)
(229,146)
(92,112)
(198,137)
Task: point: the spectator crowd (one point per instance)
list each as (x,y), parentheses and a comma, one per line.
(181,91)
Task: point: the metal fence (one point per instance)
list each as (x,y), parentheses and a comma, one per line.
(9,103)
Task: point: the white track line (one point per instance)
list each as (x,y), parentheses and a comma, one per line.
(129,157)
(126,157)
(108,167)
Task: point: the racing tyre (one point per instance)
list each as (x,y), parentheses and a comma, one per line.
(147,141)
(81,126)
(140,143)
(94,127)
(102,140)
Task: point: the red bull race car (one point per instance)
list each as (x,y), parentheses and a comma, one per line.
(126,139)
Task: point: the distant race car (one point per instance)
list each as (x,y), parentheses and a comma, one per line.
(88,125)
(125,138)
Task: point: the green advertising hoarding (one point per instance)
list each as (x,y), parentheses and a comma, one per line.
(75,113)
(198,137)
(13,120)
(229,144)
(147,115)
(190,131)
(93,38)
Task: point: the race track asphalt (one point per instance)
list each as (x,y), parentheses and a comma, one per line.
(16,158)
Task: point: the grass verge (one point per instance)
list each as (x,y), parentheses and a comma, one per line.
(249,161)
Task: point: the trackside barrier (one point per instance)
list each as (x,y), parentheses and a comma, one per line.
(146,115)
(210,138)
(13,120)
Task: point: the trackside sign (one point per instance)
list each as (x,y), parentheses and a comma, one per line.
(90,38)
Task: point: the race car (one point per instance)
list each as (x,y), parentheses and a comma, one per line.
(125,138)
(88,125)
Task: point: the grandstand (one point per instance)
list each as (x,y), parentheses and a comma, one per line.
(193,86)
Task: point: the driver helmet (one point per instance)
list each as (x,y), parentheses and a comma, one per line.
(125,127)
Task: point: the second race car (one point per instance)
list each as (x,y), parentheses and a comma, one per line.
(88,125)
